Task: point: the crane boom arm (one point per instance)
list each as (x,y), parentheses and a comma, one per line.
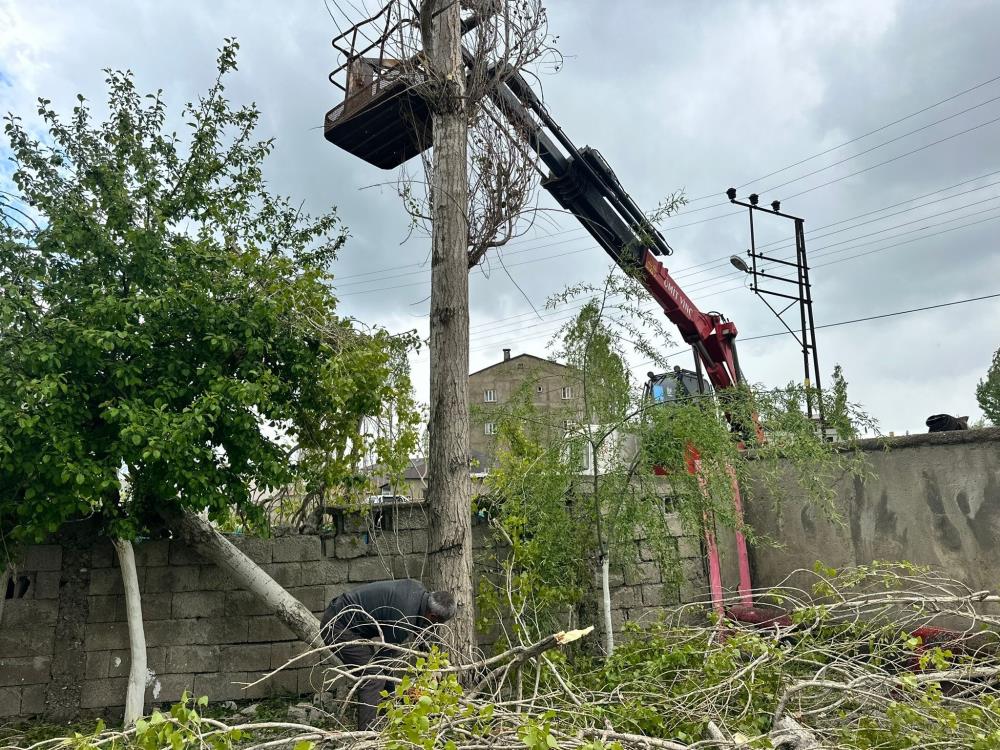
(584,184)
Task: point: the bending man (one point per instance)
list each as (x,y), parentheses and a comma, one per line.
(385,611)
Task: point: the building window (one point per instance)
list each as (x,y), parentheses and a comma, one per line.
(489,396)
(586,459)
(567,392)
(491,428)
(567,425)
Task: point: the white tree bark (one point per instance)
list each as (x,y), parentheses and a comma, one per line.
(136,691)
(201,536)
(8,573)
(449,489)
(609,636)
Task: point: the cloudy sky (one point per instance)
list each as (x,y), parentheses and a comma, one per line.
(676,95)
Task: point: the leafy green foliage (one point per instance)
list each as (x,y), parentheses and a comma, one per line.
(643,460)
(170,336)
(837,412)
(424,704)
(988,391)
(542,535)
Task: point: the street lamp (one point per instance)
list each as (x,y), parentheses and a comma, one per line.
(739,263)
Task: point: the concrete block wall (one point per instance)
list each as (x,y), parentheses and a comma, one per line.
(64,644)
(642,593)
(932,499)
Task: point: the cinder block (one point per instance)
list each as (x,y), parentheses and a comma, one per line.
(688,546)
(284,682)
(220,686)
(32,700)
(47,584)
(618,618)
(106,636)
(643,572)
(173,632)
(258,550)
(408,566)
(170,578)
(243,603)
(119,663)
(106,608)
(168,688)
(190,604)
(626,597)
(10,701)
(156,659)
(29,613)
(675,526)
(412,517)
(219,630)
(25,670)
(646,552)
(26,641)
(181,554)
(42,557)
(103,693)
(106,582)
(152,553)
(248,657)
(287,575)
(335,590)
(211,578)
(103,555)
(322,572)
(349,546)
(310,681)
(97,665)
(266,629)
(368,569)
(281,653)
(301,548)
(616,577)
(312,597)
(156,606)
(182,659)
(418,541)
(656,595)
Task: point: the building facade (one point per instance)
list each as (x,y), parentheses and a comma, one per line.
(550,387)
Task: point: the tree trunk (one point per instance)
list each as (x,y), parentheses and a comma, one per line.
(8,573)
(609,636)
(449,486)
(201,536)
(136,691)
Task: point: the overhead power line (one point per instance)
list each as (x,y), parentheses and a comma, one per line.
(853,321)
(855,139)
(778,171)
(883,315)
(551,325)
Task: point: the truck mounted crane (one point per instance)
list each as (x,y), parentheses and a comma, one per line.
(384,122)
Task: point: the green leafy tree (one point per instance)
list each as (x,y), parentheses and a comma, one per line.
(170,337)
(624,462)
(988,391)
(837,412)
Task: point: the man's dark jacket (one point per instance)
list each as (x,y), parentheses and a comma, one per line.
(395,608)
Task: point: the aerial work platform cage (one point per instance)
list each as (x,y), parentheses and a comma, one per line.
(382,120)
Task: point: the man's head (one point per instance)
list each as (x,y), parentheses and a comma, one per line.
(440,606)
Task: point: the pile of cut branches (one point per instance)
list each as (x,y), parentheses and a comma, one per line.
(882,656)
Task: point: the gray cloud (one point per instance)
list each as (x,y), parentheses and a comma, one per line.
(675,95)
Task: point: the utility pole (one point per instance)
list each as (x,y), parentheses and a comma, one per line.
(449,490)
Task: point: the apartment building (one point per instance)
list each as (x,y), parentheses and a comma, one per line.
(552,391)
